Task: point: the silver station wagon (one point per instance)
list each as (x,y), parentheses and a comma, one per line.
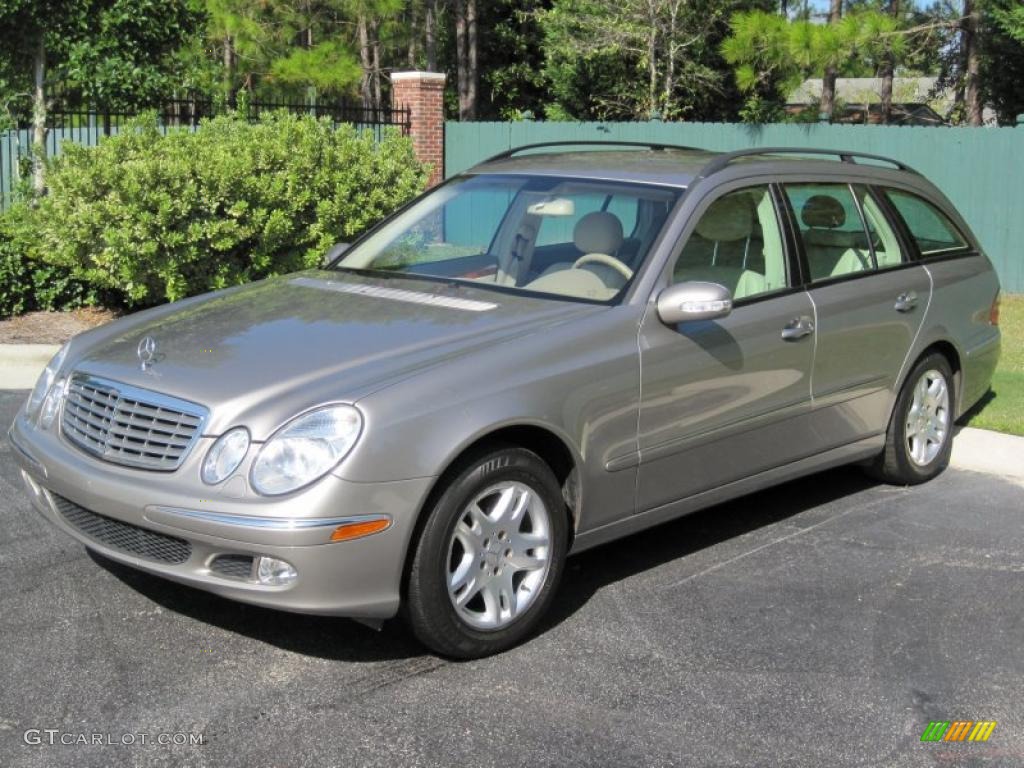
(555,349)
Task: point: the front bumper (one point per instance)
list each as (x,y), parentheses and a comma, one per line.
(360,578)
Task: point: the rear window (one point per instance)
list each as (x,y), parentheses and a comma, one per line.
(930,228)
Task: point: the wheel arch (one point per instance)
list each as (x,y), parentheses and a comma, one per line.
(948,350)
(553,449)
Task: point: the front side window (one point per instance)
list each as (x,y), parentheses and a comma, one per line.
(931,229)
(560,237)
(736,243)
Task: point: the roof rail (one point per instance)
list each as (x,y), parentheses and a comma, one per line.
(720,162)
(588,143)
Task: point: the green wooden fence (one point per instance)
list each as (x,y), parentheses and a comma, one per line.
(980,169)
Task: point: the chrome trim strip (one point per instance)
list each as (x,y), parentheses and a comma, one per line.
(271,523)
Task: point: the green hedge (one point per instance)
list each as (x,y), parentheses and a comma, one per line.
(145,218)
(27,281)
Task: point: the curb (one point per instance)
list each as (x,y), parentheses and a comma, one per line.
(980,450)
(21,364)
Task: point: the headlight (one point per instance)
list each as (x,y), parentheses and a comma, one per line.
(225,455)
(45,381)
(51,404)
(306,449)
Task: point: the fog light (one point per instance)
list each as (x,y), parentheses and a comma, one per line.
(274,572)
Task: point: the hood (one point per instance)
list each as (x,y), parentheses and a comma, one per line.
(295,341)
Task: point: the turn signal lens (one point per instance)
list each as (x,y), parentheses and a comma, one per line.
(993,312)
(350,531)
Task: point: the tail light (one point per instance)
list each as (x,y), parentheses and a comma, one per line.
(993,312)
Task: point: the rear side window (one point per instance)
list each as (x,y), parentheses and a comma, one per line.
(931,229)
(830,224)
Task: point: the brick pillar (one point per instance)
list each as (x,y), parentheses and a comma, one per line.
(423,94)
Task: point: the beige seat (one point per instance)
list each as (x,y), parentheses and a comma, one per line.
(831,250)
(722,243)
(598,233)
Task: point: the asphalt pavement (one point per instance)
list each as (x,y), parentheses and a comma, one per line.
(821,623)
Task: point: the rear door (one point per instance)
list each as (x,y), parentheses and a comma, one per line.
(869,300)
(725,399)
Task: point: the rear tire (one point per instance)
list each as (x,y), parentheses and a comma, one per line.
(490,555)
(919,440)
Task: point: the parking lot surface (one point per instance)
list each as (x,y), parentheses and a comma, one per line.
(822,623)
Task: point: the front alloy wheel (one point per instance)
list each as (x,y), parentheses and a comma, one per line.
(499,555)
(489,556)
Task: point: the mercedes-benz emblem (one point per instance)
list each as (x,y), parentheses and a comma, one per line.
(147,352)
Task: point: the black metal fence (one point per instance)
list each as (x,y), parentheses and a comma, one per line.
(87,126)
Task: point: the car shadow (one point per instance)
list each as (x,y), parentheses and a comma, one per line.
(974,410)
(596,568)
(346,640)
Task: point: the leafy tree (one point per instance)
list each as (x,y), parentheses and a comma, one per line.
(983,60)
(512,64)
(634,58)
(1001,58)
(118,53)
(772,55)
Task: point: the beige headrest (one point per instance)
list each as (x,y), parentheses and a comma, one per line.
(823,211)
(727,219)
(598,232)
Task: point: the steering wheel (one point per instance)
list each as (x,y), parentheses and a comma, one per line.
(608,261)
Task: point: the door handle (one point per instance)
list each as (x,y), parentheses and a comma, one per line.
(905,302)
(797,328)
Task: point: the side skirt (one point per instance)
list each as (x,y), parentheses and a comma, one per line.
(846,454)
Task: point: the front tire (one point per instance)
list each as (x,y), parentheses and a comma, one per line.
(919,440)
(490,555)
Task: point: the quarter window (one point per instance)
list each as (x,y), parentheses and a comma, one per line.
(736,243)
(930,228)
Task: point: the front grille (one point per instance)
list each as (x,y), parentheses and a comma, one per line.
(122,536)
(233,566)
(128,425)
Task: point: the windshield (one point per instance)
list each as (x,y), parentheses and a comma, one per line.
(562,237)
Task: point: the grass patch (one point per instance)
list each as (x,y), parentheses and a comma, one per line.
(1002,409)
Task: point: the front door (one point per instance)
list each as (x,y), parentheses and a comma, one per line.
(724,399)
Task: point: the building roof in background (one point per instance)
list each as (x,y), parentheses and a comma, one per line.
(915,100)
(867,90)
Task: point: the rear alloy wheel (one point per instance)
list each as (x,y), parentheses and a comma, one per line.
(920,436)
(927,424)
(490,555)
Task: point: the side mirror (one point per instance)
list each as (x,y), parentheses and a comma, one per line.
(334,252)
(683,302)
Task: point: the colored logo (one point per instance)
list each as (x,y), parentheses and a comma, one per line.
(958,730)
